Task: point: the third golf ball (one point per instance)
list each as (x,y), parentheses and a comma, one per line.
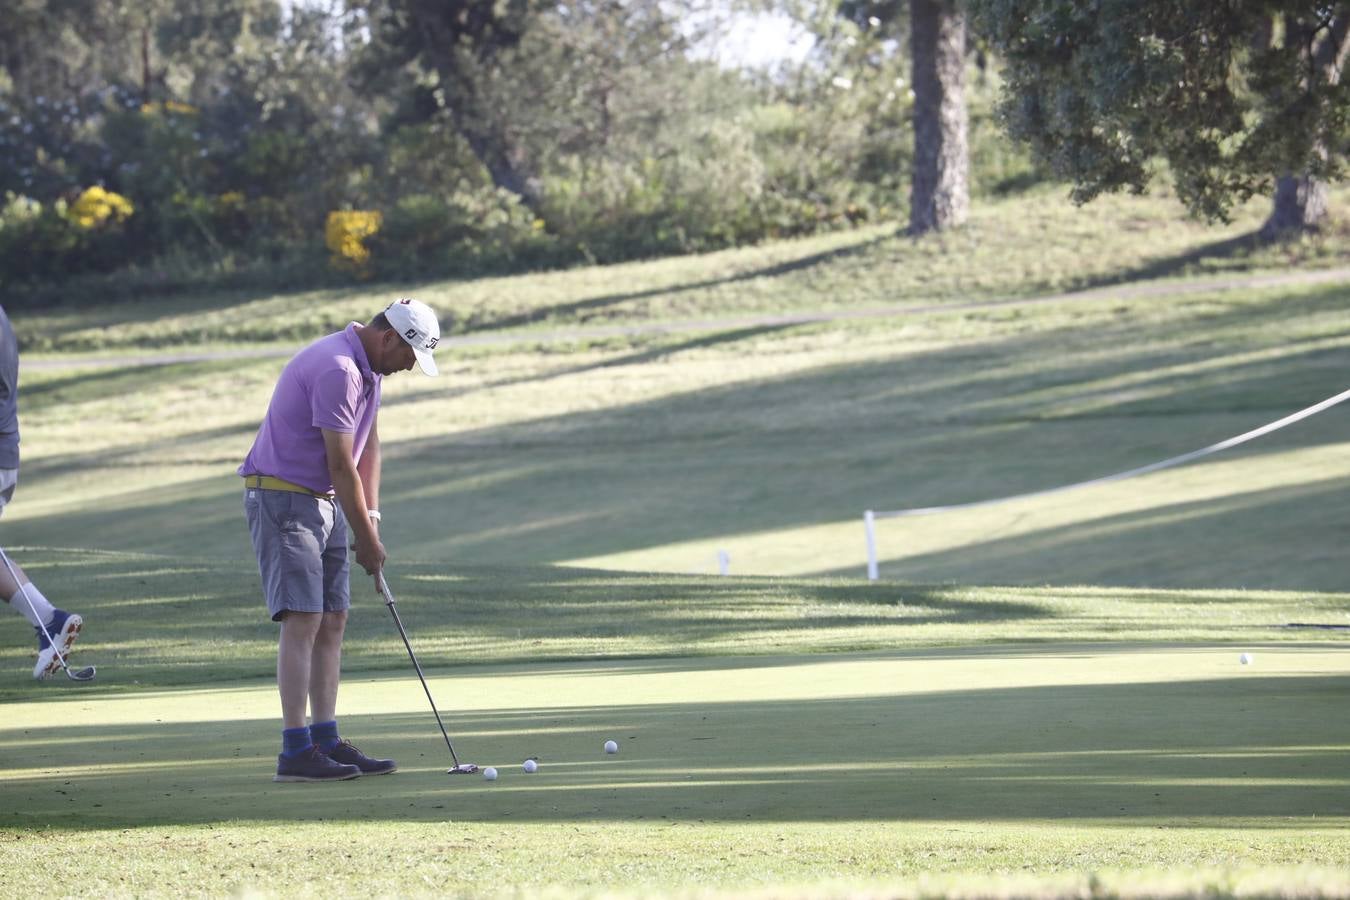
(611,747)
(490,773)
(530,765)
(1245,659)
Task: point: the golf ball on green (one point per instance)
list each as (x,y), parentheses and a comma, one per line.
(490,773)
(1245,659)
(611,747)
(530,765)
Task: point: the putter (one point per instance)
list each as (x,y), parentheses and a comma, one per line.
(459,768)
(85,674)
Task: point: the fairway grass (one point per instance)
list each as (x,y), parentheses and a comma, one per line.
(735,773)
(768,444)
(157,621)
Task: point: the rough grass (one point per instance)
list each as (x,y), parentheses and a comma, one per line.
(1032,244)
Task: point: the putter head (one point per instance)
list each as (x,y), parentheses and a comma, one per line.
(462,769)
(85,674)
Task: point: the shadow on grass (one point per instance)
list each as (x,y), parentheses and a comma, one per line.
(585,309)
(1182,263)
(971,421)
(1265,751)
(638,358)
(166,622)
(111,382)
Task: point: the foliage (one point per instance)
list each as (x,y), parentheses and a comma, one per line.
(467,231)
(546,135)
(1232,95)
(59,239)
(345,235)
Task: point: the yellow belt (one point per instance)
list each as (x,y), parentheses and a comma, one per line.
(268,483)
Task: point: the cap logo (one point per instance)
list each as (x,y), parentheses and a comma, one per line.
(411,334)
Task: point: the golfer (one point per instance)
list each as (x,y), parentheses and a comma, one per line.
(313,473)
(56,629)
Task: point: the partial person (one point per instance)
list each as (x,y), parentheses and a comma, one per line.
(311,486)
(56,629)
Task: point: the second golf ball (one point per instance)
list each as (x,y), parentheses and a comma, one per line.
(490,773)
(530,765)
(1245,659)
(611,747)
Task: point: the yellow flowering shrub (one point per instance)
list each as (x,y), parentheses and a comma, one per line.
(345,233)
(97,206)
(156,107)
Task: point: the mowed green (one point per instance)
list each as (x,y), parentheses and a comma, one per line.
(879,735)
(732,773)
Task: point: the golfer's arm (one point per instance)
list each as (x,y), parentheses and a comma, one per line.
(368,467)
(347,485)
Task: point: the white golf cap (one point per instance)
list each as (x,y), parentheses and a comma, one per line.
(416,324)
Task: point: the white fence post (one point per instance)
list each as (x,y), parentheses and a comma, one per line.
(869,523)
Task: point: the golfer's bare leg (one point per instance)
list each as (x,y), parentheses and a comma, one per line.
(326,667)
(8,586)
(295,649)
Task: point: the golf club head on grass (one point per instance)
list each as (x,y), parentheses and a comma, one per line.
(462,769)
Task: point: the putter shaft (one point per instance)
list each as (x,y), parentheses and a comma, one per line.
(389,602)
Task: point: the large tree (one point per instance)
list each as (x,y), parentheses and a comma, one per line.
(940,195)
(1239,97)
(455,53)
(935,31)
(522,81)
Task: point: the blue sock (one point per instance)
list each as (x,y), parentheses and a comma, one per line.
(295,740)
(325,734)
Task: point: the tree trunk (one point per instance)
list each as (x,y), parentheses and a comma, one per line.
(1300,205)
(1301,201)
(939,194)
(506,164)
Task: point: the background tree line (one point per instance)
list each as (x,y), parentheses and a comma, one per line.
(163,139)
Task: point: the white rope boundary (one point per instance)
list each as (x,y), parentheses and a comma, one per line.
(870,516)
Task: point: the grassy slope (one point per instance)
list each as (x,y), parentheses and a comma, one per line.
(1033,244)
(653,452)
(769,443)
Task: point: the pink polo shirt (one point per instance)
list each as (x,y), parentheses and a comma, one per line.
(329,384)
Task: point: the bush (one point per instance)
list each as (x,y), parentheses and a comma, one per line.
(345,235)
(57,240)
(468,232)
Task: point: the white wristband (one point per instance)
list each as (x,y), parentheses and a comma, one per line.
(374,514)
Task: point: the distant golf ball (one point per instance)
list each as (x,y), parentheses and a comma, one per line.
(611,747)
(530,765)
(490,773)
(1245,659)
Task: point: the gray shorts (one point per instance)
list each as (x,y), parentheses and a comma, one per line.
(9,479)
(301,544)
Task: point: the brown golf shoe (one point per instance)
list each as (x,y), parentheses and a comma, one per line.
(346,752)
(313,765)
